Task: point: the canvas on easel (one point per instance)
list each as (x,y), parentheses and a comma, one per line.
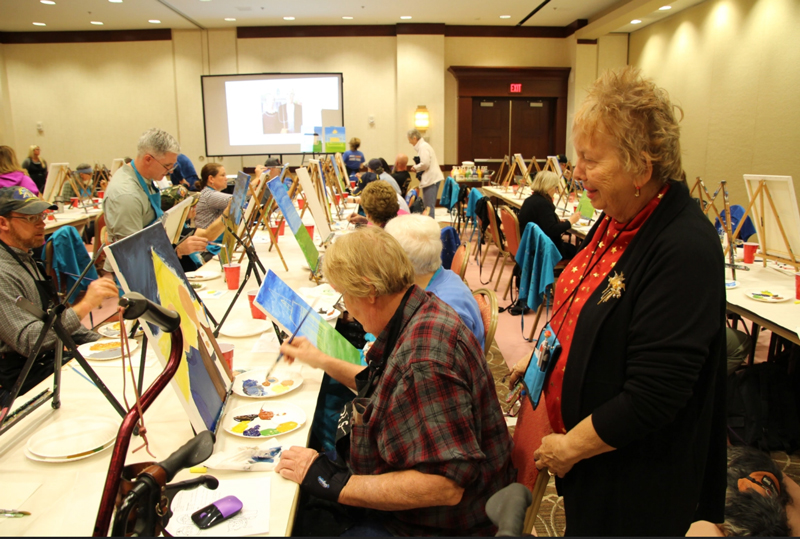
(315,205)
(511,174)
(523,170)
(56,175)
(116,164)
(235,216)
(320,187)
(773,209)
(146,263)
(174,219)
(281,196)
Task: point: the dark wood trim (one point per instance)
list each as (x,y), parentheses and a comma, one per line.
(545,82)
(504,31)
(587,42)
(575,26)
(246,32)
(420,29)
(96,36)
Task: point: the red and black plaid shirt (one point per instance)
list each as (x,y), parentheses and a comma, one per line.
(435,410)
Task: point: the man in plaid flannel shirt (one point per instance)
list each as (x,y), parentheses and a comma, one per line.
(425,444)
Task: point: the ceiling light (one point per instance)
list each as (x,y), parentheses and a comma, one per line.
(154,21)
(230,19)
(636,21)
(115,1)
(405,17)
(505,16)
(39,24)
(348,18)
(664,8)
(288,18)
(98,23)
(48,2)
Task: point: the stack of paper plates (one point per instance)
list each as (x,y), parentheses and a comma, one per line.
(72,439)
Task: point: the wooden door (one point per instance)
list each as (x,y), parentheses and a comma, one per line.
(532,127)
(490,131)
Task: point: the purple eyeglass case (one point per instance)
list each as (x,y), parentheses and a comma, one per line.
(220,510)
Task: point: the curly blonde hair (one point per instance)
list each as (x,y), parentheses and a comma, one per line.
(380,202)
(368,262)
(638,117)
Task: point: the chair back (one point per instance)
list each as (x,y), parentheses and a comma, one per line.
(460,260)
(99,228)
(510,228)
(493,228)
(487,303)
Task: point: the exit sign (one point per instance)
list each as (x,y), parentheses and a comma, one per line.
(516,88)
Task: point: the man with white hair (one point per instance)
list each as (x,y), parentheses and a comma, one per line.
(420,238)
(133,201)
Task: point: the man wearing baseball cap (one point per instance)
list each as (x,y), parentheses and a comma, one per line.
(83,182)
(22,216)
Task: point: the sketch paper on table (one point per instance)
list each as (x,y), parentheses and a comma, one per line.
(287,308)
(254,493)
(291,216)
(145,262)
(316,205)
(15,493)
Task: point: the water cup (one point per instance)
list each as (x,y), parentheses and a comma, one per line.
(232,275)
(75,201)
(101,194)
(310,229)
(301,203)
(255,312)
(281,227)
(275,232)
(749,252)
(227,353)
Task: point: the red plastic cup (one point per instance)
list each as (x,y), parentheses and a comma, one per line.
(255,312)
(101,194)
(232,275)
(797,286)
(352,184)
(338,199)
(75,201)
(749,252)
(281,227)
(301,203)
(310,229)
(227,353)
(275,232)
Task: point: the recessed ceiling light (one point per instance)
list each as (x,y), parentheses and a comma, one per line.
(115,1)
(48,2)
(664,8)
(348,18)
(230,19)
(505,16)
(635,21)
(98,23)
(39,24)
(405,17)
(288,18)
(154,21)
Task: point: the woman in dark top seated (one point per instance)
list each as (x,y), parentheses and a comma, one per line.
(539,208)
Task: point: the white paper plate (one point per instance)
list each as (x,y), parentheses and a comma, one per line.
(331,314)
(280,383)
(105,355)
(112,330)
(244,328)
(730,285)
(37,458)
(75,438)
(197,286)
(287,418)
(767,296)
(195,276)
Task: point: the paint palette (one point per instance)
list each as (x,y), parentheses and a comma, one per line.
(105,349)
(197,286)
(767,296)
(72,439)
(251,384)
(264,420)
(195,276)
(112,329)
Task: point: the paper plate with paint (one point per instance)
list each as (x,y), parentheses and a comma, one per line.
(195,276)
(729,285)
(254,384)
(105,349)
(73,439)
(244,328)
(264,420)
(197,286)
(112,330)
(767,296)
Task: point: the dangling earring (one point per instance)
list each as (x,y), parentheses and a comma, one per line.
(637,192)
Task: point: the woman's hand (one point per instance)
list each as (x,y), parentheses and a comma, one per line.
(553,454)
(518,371)
(574,218)
(302,349)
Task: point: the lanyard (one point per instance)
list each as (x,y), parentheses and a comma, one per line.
(44,285)
(433,277)
(155,198)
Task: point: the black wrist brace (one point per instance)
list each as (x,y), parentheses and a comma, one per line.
(325,479)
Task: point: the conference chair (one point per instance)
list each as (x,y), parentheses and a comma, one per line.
(487,303)
(502,252)
(460,261)
(511,230)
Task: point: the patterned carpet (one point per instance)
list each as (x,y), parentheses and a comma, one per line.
(550,520)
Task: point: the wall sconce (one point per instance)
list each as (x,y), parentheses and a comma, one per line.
(421,118)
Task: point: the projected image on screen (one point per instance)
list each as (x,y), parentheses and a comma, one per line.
(268,113)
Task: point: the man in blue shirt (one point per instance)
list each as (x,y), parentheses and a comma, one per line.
(184,172)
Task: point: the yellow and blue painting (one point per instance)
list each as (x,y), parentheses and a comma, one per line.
(146,263)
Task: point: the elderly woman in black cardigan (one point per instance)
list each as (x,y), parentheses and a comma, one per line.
(539,208)
(636,399)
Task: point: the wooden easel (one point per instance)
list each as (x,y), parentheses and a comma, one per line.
(708,202)
(100,173)
(501,170)
(266,212)
(315,173)
(758,218)
(65,174)
(342,170)
(329,170)
(534,164)
(511,172)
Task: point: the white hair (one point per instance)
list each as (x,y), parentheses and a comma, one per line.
(420,238)
(157,143)
(414,133)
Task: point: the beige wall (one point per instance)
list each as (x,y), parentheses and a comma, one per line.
(734,68)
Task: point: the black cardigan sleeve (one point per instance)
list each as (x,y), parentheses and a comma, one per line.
(539,210)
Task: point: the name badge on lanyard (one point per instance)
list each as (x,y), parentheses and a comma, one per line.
(544,357)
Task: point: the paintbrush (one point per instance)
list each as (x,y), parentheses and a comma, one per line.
(296,331)
(78,277)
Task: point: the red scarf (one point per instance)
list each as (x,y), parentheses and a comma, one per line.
(584,274)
